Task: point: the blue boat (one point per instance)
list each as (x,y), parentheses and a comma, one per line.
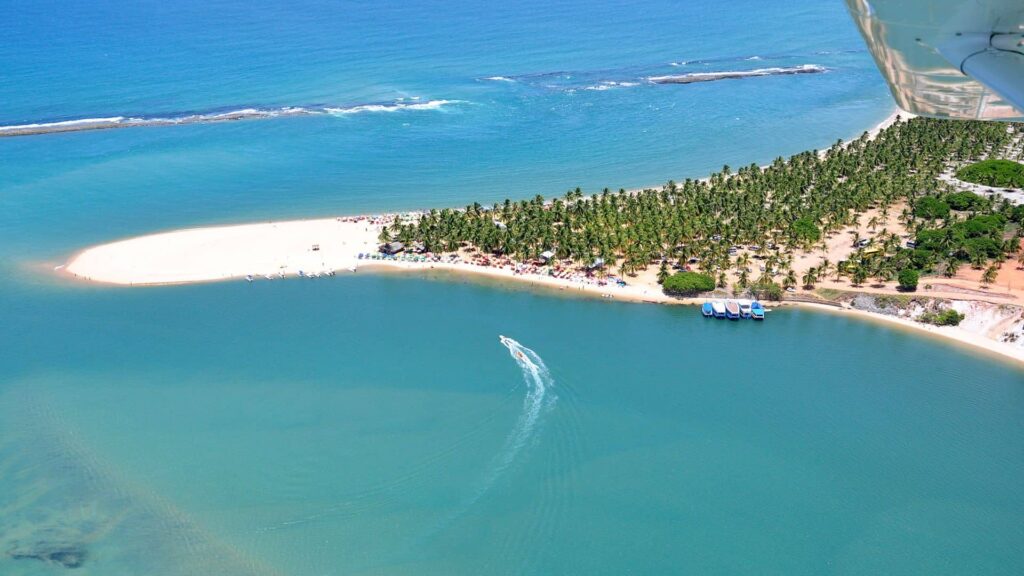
(756,310)
(707,310)
(732,310)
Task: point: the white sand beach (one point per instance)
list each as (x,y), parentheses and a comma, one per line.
(228,252)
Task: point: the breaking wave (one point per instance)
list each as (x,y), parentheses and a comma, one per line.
(609,84)
(112,122)
(736,74)
(692,70)
(396,106)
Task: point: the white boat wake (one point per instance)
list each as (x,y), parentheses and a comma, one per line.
(538,399)
(538,381)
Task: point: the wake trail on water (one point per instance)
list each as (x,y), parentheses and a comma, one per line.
(536,402)
(538,381)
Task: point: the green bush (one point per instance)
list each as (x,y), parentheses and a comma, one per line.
(948,317)
(766,291)
(1001,173)
(908,278)
(986,225)
(931,240)
(1017,215)
(806,230)
(963,201)
(688,283)
(985,246)
(931,208)
(923,258)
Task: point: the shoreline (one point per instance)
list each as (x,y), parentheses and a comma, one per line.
(325,246)
(633,293)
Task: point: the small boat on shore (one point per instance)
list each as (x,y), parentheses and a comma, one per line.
(732,310)
(718,308)
(756,310)
(707,310)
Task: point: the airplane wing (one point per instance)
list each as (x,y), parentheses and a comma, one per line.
(948,58)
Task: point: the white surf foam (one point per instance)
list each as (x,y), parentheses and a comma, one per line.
(411,103)
(609,84)
(392,107)
(64,125)
(736,74)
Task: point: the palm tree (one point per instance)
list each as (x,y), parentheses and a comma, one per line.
(952,265)
(750,206)
(662,272)
(824,267)
(790,280)
(810,278)
(860,274)
(990,275)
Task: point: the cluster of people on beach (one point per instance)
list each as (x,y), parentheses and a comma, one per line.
(380,219)
(560,270)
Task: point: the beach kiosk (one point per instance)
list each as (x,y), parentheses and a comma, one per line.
(546,256)
(392,248)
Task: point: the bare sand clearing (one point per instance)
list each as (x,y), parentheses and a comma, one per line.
(226,252)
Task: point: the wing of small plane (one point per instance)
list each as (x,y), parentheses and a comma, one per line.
(948,58)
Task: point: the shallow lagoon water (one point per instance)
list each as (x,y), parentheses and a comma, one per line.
(374,424)
(374,442)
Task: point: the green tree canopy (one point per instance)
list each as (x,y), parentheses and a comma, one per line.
(688,283)
(908,278)
(805,230)
(993,172)
(931,208)
(963,201)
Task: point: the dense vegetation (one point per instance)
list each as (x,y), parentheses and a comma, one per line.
(688,283)
(947,317)
(786,207)
(908,279)
(993,172)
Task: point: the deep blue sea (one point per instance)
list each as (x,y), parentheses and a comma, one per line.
(374,424)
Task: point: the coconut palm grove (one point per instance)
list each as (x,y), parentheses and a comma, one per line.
(789,206)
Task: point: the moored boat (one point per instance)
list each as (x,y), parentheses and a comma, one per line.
(744,308)
(732,310)
(718,308)
(756,310)
(707,309)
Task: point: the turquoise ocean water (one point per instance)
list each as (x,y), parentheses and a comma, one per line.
(373,424)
